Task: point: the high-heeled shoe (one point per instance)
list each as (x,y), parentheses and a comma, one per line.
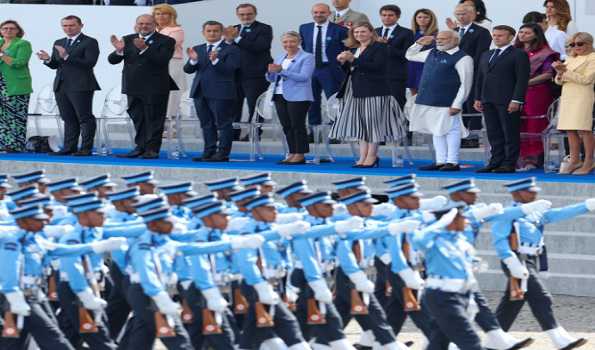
(569,168)
(376,164)
(584,170)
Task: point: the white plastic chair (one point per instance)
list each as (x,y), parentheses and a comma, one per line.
(47,108)
(113,113)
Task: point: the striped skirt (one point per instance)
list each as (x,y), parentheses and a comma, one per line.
(13,120)
(371,119)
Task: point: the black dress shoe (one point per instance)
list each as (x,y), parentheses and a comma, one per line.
(204,157)
(61,153)
(450,167)
(432,166)
(132,154)
(303,161)
(83,153)
(219,157)
(504,169)
(575,344)
(523,344)
(150,155)
(487,169)
(362,347)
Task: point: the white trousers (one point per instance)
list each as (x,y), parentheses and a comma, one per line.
(447,146)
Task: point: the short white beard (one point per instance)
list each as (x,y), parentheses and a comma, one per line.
(444,47)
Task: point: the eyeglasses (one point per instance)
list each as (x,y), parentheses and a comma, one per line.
(577,44)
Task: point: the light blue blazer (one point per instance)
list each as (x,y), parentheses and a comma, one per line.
(297,78)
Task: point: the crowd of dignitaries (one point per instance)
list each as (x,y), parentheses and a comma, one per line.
(250,265)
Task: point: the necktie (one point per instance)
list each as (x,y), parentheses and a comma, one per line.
(318,48)
(385,34)
(68,43)
(494,57)
(461,32)
(244,30)
(210,48)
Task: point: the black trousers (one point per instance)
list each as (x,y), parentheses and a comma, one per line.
(397,90)
(375,320)
(216,122)
(148,115)
(223,341)
(76,110)
(292,116)
(248,89)
(450,323)
(485,318)
(42,326)
(396,313)
(143,332)
(70,305)
(118,309)
(538,297)
(504,134)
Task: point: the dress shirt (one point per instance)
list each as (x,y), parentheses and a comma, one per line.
(242,26)
(324,30)
(215,47)
(391,29)
(279,85)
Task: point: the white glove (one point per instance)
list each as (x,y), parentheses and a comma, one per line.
(590,203)
(266,294)
(321,291)
(483,212)
(237,224)
(287,231)
(362,283)
(215,301)
(412,279)
(383,209)
(427,217)
(246,242)
(517,270)
(18,304)
(403,226)
(354,223)
(538,206)
(446,219)
(291,293)
(433,203)
(288,218)
(90,301)
(56,231)
(166,305)
(107,245)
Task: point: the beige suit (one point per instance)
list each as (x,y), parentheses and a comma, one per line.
(349,18)
(576,102)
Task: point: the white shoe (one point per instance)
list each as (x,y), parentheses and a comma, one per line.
(564,341)
(273,344)
(341,344)
(300,346)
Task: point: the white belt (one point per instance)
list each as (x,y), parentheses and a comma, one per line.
(528,250)
(451,285)
(63,277)
(134,277)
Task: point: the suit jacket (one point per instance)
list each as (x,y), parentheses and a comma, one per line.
(215,81)
(297,78)
(504,80)
(17,76)
(76,72)
(475,42)
(349,17)
(255,50)
(368,72)
(146,73)
(335,35)
(398,42)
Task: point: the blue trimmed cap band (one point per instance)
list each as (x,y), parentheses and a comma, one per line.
(63,184)
(34,212)
(80,199)
(92,205)
(260,179)
(99,181)
(244,194)
(363,196)
(209,209)
(23,193)
(129,193)
(4,181)
(185,187)
(42,201)
(196,202)
(149,202)
(260,201)
(529,184)
(32,176)
(296,187)
(405,190)
(231,184)
(356,182)
(158,213)
(144,177)
(400,181)
(462,186)
(316,198)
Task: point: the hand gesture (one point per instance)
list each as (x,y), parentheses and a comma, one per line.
(425,40)
(213,55)
(514,107)
(61,51)
(230,33)
(349,56)
(274,68)
(478,106)
(118,44)
(42,55)
(559,66)
(382,40)
(140,43)
(192,54)
(452,25)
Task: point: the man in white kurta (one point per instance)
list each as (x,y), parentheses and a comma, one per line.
(445,85)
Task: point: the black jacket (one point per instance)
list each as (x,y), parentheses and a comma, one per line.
(398,43)
(76,72)
(368,77)
(146,74)
(505,80)
(475,42)
(255,50)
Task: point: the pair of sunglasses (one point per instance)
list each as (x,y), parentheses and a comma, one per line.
(579,44)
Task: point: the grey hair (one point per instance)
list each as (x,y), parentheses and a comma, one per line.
(453,34)
(293,34)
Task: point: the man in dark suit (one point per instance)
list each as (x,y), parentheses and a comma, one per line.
(254,40)
(324,40)
(398,40)
(73,58)
(474,41)
(501,84)
(146,82)
(214,90)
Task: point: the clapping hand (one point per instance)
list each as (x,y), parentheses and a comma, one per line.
(230,33)
(140,43)
(347,56)
(192,54)
(61,51)
(274,68)
(118,44)
(452,25)
(42,55)
(559,66)
(382,40)
(425,40)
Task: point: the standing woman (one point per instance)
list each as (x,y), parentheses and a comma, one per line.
(539,94)
(15,86)
(368,113)
(424,23)
(165,17)
(559,17)
(577,76)
(291,78)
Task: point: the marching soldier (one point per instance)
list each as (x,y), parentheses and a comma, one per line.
(144,181)
(59,190)
(292,194)
(223,188)
(196,202)
(6,203)
(239,200)
(264,182)
(175,195)
(36,178)
(100,185)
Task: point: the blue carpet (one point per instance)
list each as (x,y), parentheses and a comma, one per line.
(341,166)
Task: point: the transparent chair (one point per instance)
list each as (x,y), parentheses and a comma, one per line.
(330,109)
(265,118)
(113,113)
(47,108)
(553,139)
(176,147)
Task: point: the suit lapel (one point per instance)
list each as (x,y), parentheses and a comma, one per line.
(500,57)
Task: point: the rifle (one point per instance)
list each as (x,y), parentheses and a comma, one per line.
(87,323)
(210,325)
(515,284)
(410,302)
(316,316)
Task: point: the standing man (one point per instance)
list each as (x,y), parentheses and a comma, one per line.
(146,82)
(346,17)
(73,58)
(324,40)
(254,40)
(214,90)
(398,39)
(502,80)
